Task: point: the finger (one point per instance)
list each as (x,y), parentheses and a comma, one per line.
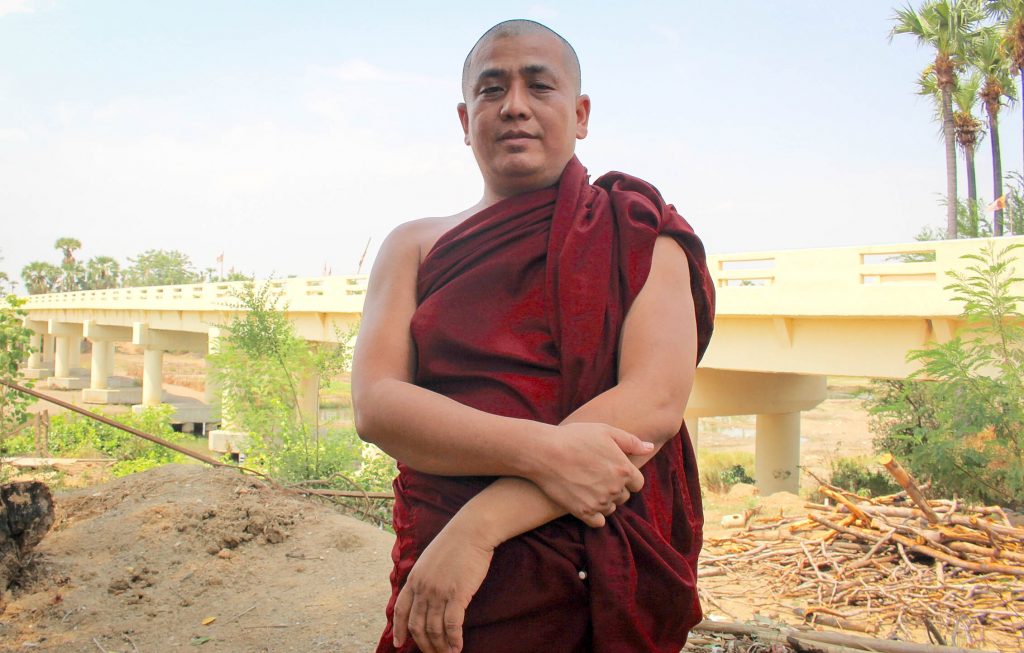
(622,498)
(632,445)
(434,627)
(608,509)
(400,622)
(594,520)
(417,622)
(454,617)
(635,482)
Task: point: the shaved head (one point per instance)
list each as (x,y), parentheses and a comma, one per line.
(520,27)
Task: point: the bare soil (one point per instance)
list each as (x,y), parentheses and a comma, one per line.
(184,556)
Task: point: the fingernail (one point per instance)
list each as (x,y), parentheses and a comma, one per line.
(648,446)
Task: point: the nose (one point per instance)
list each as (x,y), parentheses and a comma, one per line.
(516,104)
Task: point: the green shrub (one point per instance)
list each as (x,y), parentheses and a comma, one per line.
(862,476)
(964,429)
(260,365)
(720,470)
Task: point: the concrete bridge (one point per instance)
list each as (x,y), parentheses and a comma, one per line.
(785,320)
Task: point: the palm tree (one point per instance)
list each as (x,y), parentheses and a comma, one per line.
(68,246)
(1011,14)
(40,277)
(102,272)
(967,129)
(948,27)
(988,56)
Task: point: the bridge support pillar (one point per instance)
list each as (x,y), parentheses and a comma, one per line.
(62,357)
(152,376)
(777,453)
(67,352)
(104,388)
(35,359)
(36,366)
(49,348)
(102,364)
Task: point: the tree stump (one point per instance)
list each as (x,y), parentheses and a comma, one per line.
(26,514)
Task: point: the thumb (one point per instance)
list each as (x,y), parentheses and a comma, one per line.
(632,445)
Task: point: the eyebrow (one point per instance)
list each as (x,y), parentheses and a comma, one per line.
(531,69)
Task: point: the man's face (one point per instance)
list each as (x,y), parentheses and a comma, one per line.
(522,115)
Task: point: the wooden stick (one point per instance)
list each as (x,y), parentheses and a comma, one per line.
(909,484)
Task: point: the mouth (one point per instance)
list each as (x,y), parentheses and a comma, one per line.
(516,135)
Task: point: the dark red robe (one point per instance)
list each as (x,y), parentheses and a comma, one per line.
(520,309)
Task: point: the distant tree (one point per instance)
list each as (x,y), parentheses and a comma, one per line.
(948,27)
(40,277)
(1011,14)
(102,272)
(8,282)
(988,56)
(967,129)
(68,246)
(158,267)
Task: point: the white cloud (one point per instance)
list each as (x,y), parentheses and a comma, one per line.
(670,34)
(360,70)
(10,134)
(357,70)
(540,12)
(17,6)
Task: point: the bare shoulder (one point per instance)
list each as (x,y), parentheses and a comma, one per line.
(419,236)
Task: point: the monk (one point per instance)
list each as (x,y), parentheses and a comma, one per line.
(528,361)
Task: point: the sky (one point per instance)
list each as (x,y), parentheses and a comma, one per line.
(286,136)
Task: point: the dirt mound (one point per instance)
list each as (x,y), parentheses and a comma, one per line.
(144,562)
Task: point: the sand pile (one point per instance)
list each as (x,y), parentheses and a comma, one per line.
(191,558)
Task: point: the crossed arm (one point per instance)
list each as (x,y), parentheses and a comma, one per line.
(587,465)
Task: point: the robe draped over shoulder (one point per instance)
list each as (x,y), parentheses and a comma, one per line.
(519,312)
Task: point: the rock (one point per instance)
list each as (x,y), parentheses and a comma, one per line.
(26,514)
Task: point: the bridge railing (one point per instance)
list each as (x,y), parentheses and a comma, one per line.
(335,294)
(906,279)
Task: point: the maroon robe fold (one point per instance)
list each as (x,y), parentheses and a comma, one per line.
(519,312)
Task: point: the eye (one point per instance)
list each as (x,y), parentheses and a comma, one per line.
(491,90)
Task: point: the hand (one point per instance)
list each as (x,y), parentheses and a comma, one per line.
(586,469)
(432,604)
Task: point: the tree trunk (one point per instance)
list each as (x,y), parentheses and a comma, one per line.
(947,134)
(997,172)
(972,190)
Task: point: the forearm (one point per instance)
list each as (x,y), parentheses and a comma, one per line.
(438,435)
(512,506)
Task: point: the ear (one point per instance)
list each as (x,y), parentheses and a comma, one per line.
(464,119)
(582,116)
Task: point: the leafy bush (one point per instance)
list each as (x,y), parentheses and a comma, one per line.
(720,470)
(260,366)
(76,436)
(862,476)
(14,349)
(964,430)
(377,471)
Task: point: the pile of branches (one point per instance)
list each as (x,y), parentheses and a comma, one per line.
(898,566)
